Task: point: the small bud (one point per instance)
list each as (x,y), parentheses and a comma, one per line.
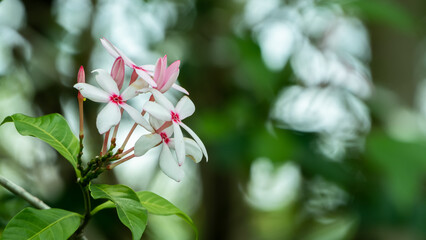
(117,72)
(133,77)
(81,78)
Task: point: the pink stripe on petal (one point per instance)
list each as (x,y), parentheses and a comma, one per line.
(145,76)
(149,68)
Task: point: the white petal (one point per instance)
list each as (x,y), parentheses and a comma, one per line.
(132,90)
(150,68)
(157,111)
(155,123)
(179,144)
(180,89)
(169,165)
(196,138)
(106,82)
(126,60)
(146,142)
(93,93)
(115,52)
(109,47)
(145,76)
(192,150)
(170,81)
(137,117)
(169,131)
(109,116)
(185,107)
(161,99)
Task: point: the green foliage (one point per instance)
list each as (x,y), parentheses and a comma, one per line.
(52,129)
(380,11)
(155,205)
(160,206)
(401,165)
(129,209)
(46,224)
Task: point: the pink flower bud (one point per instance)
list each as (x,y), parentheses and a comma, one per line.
(165,77)
(117,72)
(133,77)
(81,78)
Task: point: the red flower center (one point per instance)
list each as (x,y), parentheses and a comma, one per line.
(116,99)
(175,117)
(165,138)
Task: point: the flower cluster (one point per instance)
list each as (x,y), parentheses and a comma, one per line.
(164,121)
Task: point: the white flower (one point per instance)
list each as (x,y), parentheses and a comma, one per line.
(144,71)
(110,115)
(164,110)
(168,163)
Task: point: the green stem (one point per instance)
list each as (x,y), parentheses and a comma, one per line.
(87,215)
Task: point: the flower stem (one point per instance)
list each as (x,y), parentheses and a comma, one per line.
(126,152)
(19,191)
(112,165)
(164,126)
(104,146)
(86,196)
(80,110)
(114,134)
(128,137)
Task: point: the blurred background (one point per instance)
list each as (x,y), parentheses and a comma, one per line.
(312,112)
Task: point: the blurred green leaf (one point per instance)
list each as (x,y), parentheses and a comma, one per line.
(52,129)
(341,228)
(46,224)
(160,206)
(402,165)
(381,11)
(277,146)
(129,208)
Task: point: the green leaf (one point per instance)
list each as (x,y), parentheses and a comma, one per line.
(45,224)
(155,205)
(53,129)
(401,166)
(102,206)
(129,209)
(160,206)
(381,11)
